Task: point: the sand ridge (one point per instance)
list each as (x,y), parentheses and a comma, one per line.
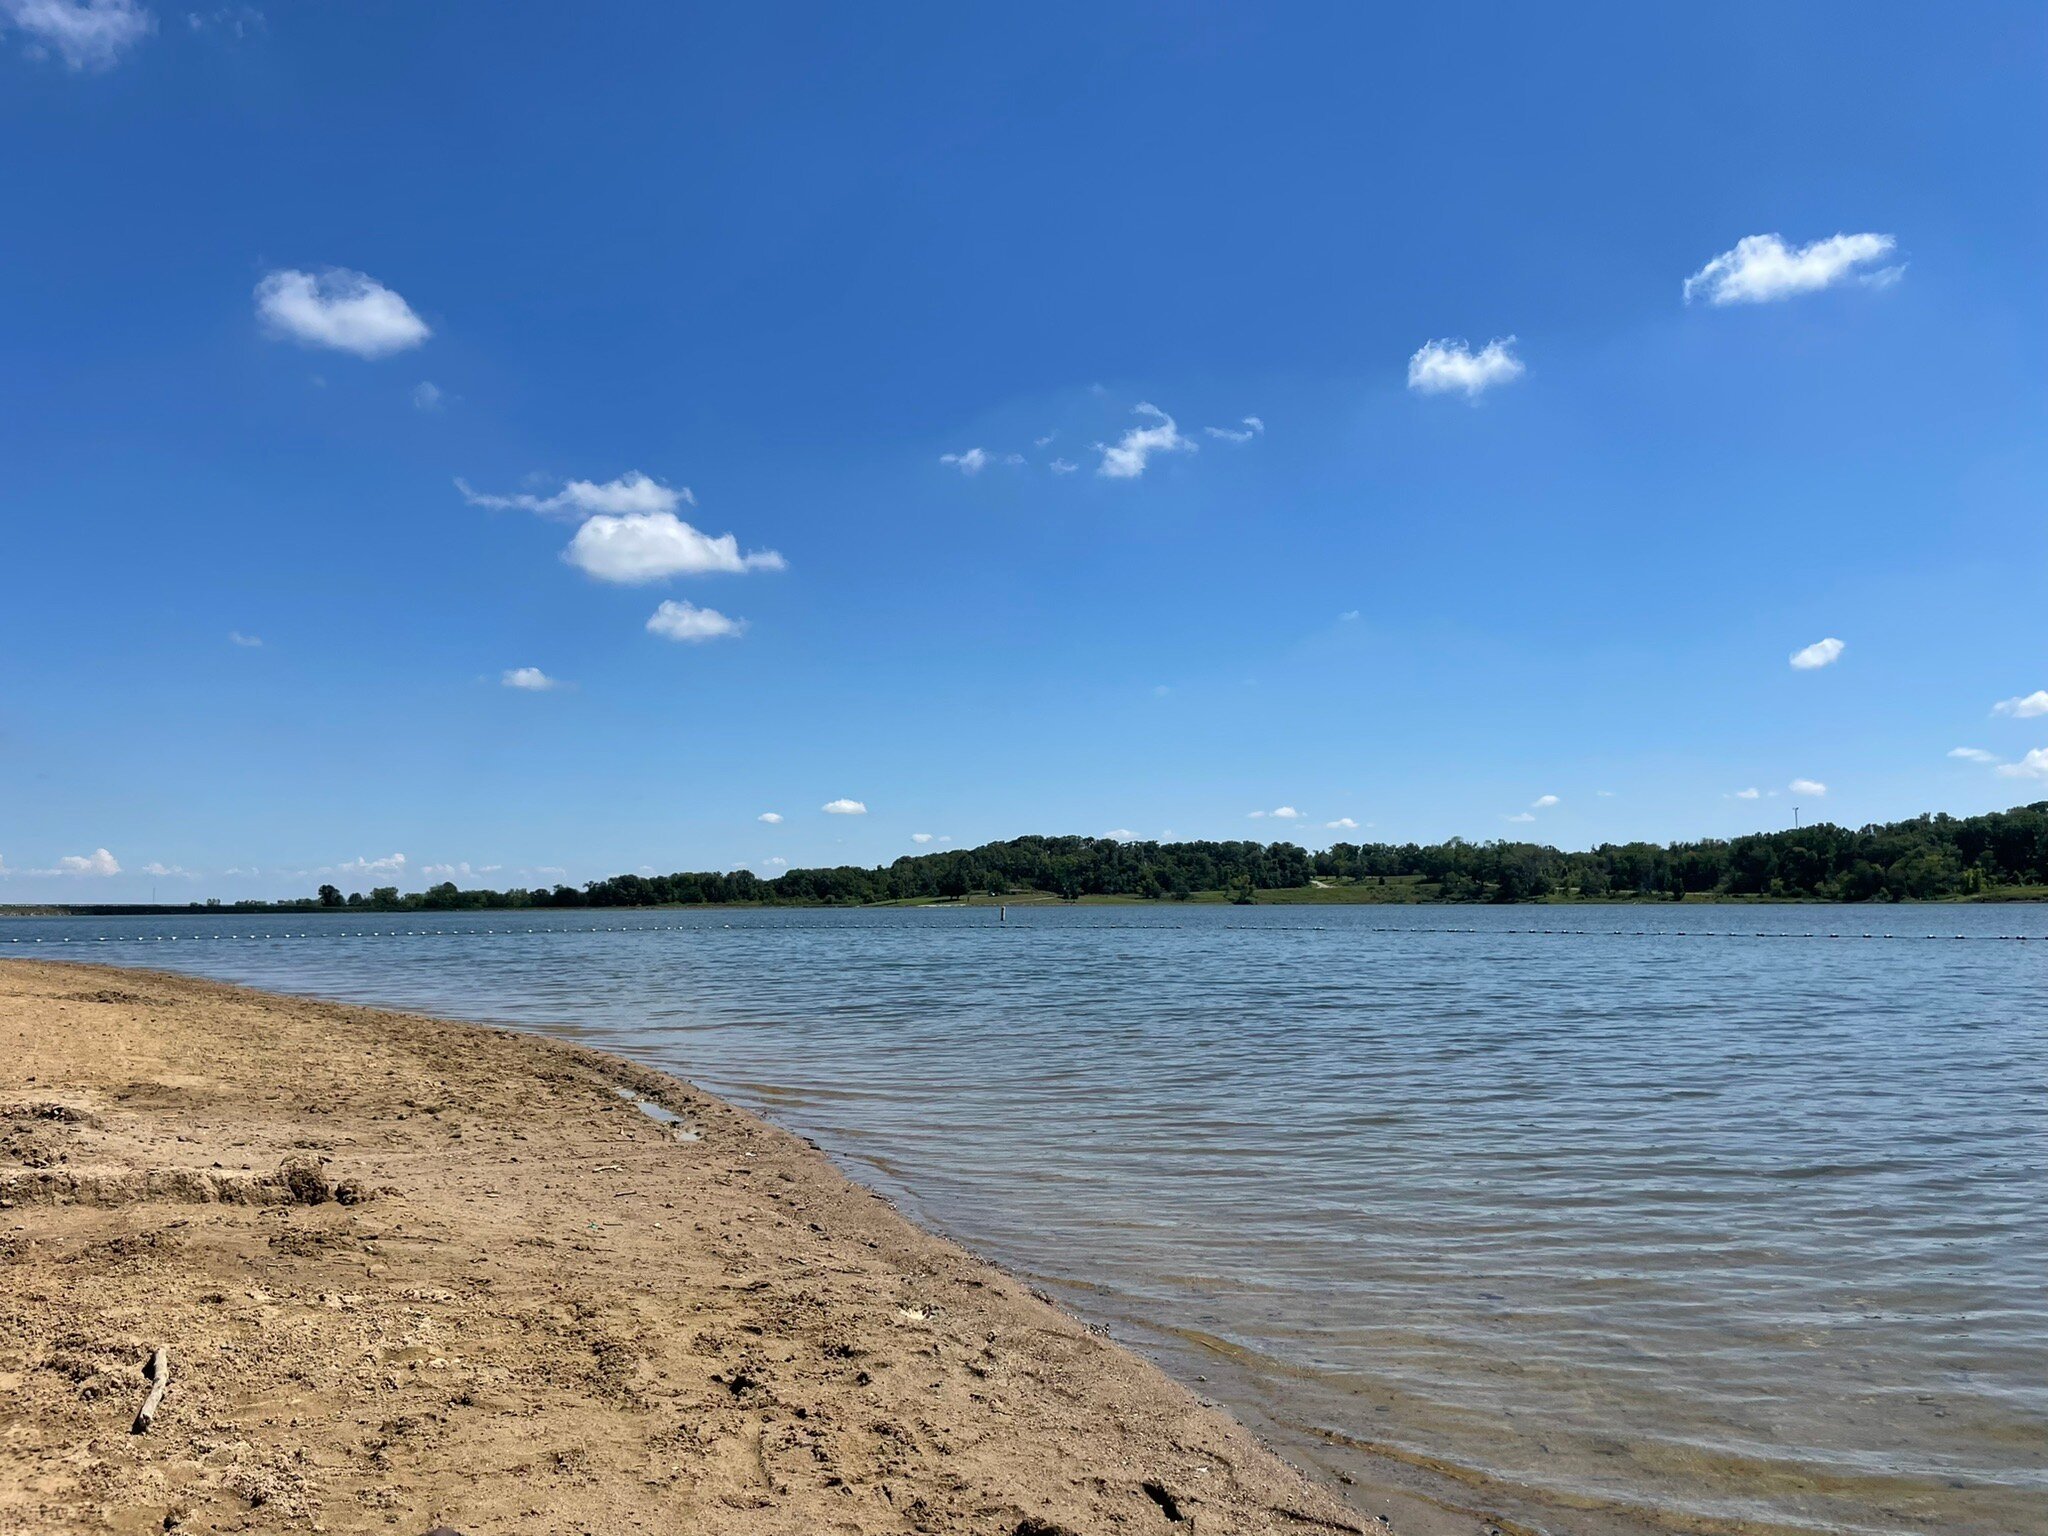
(411,1271)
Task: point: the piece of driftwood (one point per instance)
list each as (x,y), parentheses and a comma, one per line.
(158,1370)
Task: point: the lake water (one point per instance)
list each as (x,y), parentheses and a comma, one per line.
(1602,1218)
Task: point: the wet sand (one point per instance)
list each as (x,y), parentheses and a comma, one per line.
(411,1271)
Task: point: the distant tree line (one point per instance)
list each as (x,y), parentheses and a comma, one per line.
(1926,858)
(1922,859)
(1067,867)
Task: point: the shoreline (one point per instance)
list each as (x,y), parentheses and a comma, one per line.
(413,1270)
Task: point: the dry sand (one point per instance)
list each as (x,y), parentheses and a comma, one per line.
(412,1272)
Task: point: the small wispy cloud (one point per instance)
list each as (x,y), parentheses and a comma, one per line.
(920,837)
(528,679)
(1807,787)
(1249,428)
(1341,824)
(85,34)
(630,493)
(1543,802)
(427,396)
(1063,466)
(162,871)
(390,864)
(975,460)
(460,870)
(1120,835)
(339,309)
(1822,653)
(1126,458)
(687,622)
(1751,793)
(2026,707)
(1519,816)
(241,20)
(1763,268)
(844,808)
(1280,813)
(247,642)
(1447,366)
(773,818)
(1973,755)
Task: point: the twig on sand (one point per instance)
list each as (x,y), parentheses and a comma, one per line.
(158,1370)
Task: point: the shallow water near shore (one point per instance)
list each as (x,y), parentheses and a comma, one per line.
(1604,1218)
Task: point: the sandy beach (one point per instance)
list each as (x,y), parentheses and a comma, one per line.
(412,1272)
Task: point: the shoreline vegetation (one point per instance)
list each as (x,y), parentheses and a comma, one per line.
(1999,856)
(404,1271)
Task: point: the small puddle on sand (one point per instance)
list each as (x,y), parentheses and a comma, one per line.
(678,1126)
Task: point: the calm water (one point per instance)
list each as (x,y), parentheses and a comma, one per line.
(1693,1218)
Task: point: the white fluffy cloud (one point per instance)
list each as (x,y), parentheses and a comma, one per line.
(1341,824)
(1751,793)
(652,546)
(85,34)
(1063,466)
(1281,813)
(1822,653)
(1973,754)
(1249,428)
(920,837)
(1762,268)
(390,864)
(630,493)
(686,621)
(2033,766)
(1543,802)
(2025,707)
(844,808)
(532,679)
(1807,787)
(1520,816)
(157,868)
(1126,458)
(1439,367)
(773,818)
(98,862)
(340,309)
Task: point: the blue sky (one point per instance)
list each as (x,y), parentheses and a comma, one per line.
(804,262)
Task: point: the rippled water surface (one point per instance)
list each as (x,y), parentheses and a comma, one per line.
(1718,1219)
